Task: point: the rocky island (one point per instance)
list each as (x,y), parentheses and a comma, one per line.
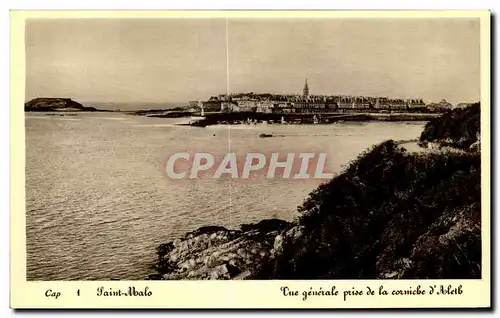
(390,214)
(46,104)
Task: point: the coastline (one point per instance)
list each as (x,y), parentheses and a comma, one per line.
(300,118)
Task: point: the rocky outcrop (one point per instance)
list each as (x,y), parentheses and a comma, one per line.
(458,128)
(55,104)
(391,214)
(215,252)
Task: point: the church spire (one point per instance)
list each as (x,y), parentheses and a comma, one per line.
(306,89)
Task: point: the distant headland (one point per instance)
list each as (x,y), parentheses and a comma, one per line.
(50,104)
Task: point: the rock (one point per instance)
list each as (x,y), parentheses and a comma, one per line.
(213,275)
(207,230)
(266,226)
(222,271)
(214,261)
(278,244)
(232,263)
(176,243)
(192,263)
(163,249)
(206,260)
(241,252)
(232,269)
(295,232)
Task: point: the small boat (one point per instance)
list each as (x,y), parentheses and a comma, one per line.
(195,119)
(265,135)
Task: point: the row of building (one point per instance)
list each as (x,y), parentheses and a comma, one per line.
(306,103)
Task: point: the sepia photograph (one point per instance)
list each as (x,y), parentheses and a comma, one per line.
(253,148)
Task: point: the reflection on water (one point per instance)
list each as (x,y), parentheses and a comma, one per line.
(98,201)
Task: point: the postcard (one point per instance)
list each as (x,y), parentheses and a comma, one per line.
(250,159)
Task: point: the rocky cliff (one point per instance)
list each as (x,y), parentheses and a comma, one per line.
(391,214)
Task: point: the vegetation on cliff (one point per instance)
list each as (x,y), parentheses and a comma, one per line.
(457,128)
(393,214)
(45,104)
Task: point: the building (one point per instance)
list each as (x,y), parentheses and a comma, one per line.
(416,103)
(265,107)
(308,103)
(237,107)
(305,91)
(311,104)
(247,104)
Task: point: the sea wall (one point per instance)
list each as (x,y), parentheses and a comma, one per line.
(390,214)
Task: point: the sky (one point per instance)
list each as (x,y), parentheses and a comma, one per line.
(177,60)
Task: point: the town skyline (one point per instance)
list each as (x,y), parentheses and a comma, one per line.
(174,60)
